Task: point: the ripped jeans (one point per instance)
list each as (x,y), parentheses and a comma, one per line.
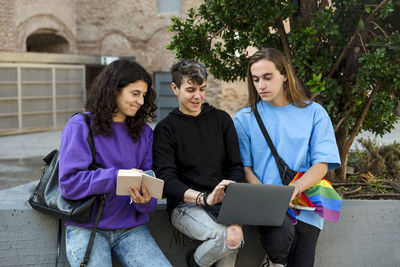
(194,222)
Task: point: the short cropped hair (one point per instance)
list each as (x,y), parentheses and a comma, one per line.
(190,69)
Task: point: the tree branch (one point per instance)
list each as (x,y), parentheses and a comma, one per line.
(285,42)
(393,184)
(360,120)
(376,10)
(314,96)
(343,119)
(288,52)
(361,184)
(352,191)
(379,27)
(362,43)
(341,56)
(224,28)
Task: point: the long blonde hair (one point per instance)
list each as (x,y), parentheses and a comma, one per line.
(292,93)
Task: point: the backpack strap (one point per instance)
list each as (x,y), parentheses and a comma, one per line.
(285,172)
(93,166)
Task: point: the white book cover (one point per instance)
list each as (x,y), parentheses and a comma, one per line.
(128,178)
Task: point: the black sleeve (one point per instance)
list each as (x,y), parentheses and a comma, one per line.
(233,163)
(164,164)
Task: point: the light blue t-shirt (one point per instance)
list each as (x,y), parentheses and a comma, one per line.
(302,137)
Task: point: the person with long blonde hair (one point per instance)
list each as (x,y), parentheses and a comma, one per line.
(303,136)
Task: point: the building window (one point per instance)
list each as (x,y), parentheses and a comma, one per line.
(166,100)
(169,6)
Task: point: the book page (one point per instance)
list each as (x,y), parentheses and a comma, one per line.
(154,185)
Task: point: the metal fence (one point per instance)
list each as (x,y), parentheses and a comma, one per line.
(39,96)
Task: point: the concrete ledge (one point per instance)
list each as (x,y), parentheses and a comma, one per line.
(27,237)
(368,234)
(48,58)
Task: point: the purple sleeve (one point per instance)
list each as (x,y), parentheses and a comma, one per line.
(146,208)
(76,181)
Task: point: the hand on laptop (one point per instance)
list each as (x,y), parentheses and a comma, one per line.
(218,194)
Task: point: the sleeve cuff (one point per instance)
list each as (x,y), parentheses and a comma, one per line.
(146,208)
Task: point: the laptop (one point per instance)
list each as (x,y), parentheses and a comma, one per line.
(255,204)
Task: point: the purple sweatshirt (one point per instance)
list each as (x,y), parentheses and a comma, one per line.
(115,152)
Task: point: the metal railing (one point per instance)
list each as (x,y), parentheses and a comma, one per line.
(39,96)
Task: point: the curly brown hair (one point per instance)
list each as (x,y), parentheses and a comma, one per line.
(102,103)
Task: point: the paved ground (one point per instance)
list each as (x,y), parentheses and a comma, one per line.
(21,155)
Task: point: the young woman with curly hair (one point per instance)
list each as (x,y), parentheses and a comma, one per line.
(120,102)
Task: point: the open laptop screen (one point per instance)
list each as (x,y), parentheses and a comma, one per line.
(255,204)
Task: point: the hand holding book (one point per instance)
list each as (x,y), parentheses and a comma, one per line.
(128,178)
(139,195)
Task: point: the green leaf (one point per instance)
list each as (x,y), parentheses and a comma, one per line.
(314,89)
(361,25)
(310,82)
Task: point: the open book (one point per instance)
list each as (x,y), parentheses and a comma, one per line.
(127,178)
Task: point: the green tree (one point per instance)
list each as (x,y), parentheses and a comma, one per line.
(345,53)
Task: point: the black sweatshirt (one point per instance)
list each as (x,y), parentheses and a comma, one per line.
(195,152)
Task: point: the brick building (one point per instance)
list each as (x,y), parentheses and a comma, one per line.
(50,51)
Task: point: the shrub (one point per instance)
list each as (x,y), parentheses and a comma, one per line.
(381,160)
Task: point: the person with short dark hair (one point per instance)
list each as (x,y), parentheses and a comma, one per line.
(120,102)
(303,136)
(196,153)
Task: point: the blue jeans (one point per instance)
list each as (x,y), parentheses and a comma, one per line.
(194,222)
(132,247)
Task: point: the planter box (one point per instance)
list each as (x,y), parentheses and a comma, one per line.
(367,234)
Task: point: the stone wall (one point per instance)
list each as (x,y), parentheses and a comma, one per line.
(234,96)
(7,25)
(103,27)
(108,28)
(128,28)
(49,16)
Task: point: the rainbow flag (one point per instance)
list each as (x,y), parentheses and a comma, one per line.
(323,197)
